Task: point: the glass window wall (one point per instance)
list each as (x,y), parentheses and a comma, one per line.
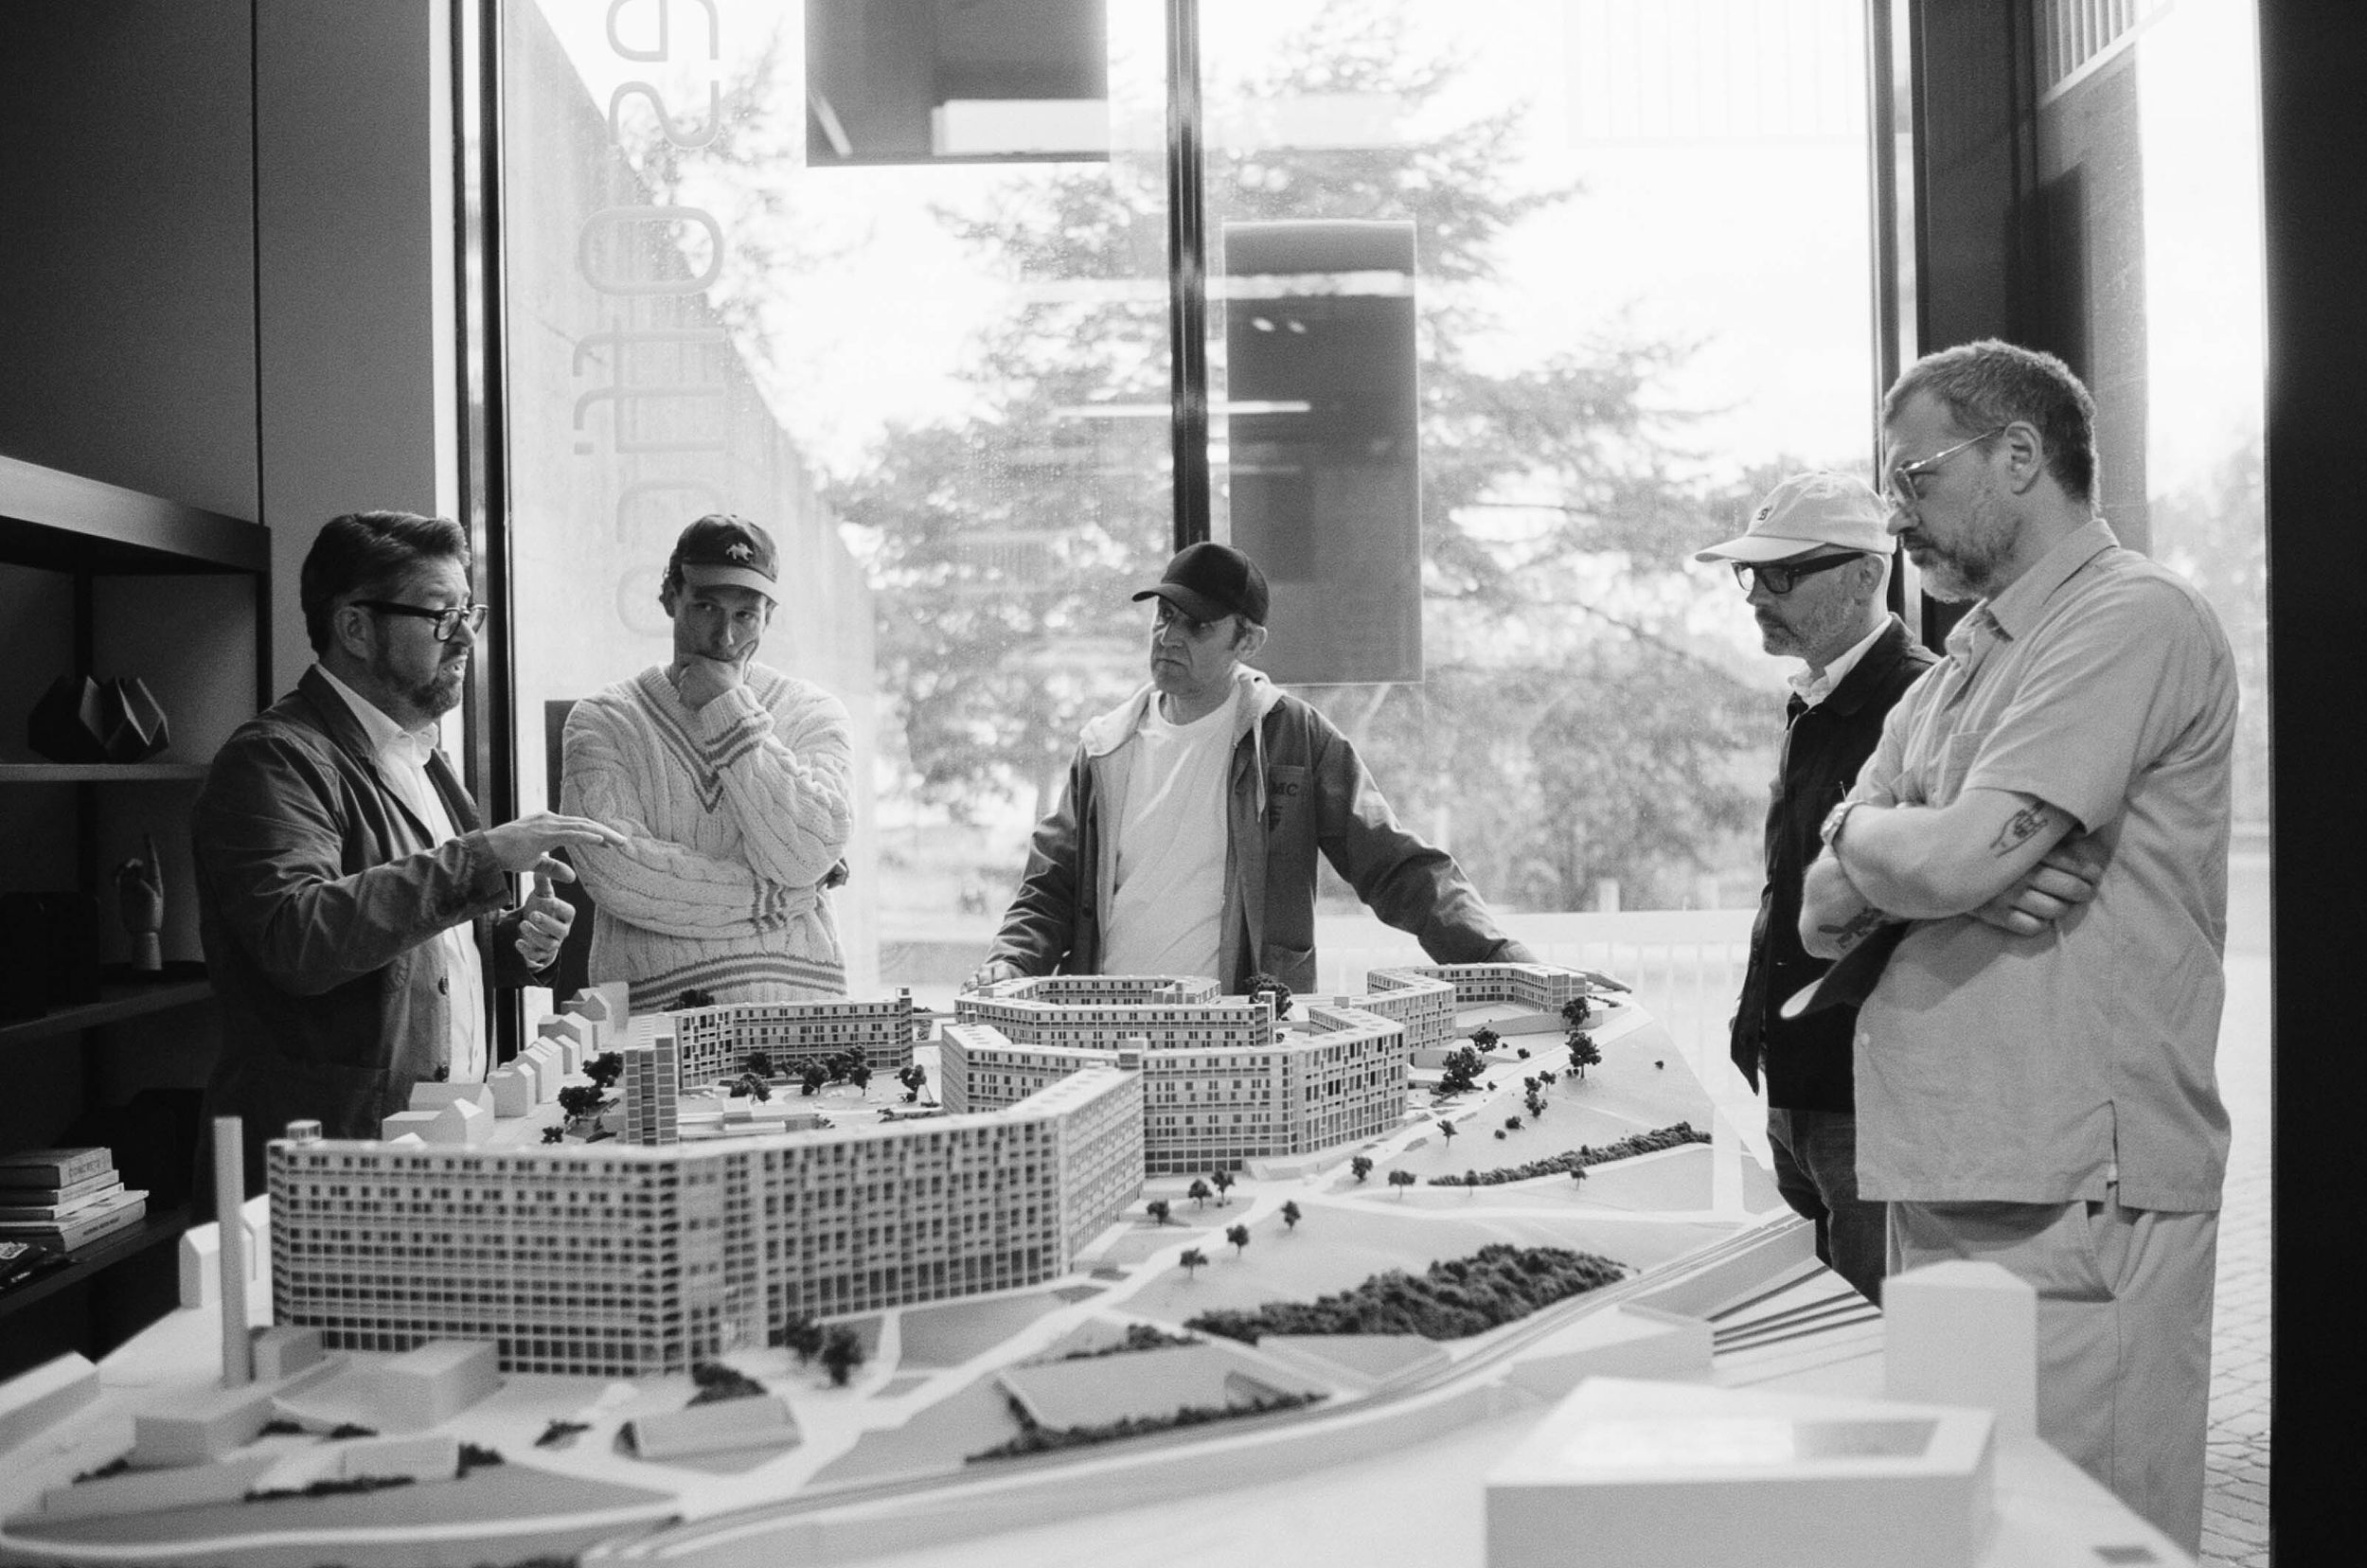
(1512,305)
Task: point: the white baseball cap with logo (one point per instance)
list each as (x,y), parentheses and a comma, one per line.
(1807,511)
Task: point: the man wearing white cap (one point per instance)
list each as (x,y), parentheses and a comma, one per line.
(730,783)
(1814,563)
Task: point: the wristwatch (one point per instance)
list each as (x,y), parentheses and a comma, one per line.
(1834,820)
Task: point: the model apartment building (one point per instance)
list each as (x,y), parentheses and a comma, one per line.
(715,1041)
(617,1258)
(1225,1084)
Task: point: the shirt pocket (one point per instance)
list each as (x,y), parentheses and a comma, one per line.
(1954,761)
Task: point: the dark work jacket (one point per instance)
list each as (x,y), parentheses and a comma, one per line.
(1808,1060)
(318,891)
(1295,788)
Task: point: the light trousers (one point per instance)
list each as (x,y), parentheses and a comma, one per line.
(2125,1299)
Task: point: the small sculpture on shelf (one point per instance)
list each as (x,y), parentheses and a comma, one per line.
(140,900)
(80,719)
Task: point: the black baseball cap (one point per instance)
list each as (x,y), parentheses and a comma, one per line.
(724,551)
(1209,581)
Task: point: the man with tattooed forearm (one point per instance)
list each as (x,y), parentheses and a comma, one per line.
(2042,831)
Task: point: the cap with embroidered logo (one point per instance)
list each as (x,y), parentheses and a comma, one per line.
(1807,511)
(724,551)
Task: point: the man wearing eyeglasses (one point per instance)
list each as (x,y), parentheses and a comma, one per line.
(2042,833)
(347,893)
(1814,564)
(730,784)
(1185,840)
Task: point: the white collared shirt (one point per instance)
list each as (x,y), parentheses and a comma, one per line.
(1813,688)
(402,762)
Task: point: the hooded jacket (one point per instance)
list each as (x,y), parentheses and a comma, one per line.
(1294,785)
(318,892)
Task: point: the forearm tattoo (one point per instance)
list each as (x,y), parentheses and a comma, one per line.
(1849,932)
(2019,829)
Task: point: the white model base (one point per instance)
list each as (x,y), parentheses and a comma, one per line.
(1963,1333)
(1682,1477)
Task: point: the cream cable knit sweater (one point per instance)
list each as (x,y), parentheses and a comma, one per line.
(734,811)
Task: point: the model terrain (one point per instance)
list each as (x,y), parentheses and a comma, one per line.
(697,1305)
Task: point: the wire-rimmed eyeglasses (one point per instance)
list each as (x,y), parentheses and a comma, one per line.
(1904,483)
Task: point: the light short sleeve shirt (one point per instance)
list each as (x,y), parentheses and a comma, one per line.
(1167,913)
(2042,1069)
(402,763)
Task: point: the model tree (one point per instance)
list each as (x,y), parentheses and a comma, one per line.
(1198,1192)
(1266,984)
(758,1062)
(1485,1039)
(842,1352)
(1290,1213)
(1463,1069)
(1238,1236)
(1447,1129)
(580,1100)
(1361,1166)
(1575,1011)
(1224,1185)
(1401,1180)
(751,1086)
(1158,1210)
(1583,1053)
(914,1078)
(802,1334)
(815,1076)
(606,1068)
(1193,1257)
(554,1134)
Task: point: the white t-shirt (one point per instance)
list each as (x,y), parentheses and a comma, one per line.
(1167,914)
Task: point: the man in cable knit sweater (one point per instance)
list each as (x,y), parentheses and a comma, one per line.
(729,781)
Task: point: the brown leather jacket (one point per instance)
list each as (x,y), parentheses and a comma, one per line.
(318,890)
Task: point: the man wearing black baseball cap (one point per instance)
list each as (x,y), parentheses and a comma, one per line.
(730,783)
(1185,840)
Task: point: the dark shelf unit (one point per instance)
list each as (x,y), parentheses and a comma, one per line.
(118,1001)
(87,529)
(91,1258)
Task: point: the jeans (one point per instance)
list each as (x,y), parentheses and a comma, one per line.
(1816,1170)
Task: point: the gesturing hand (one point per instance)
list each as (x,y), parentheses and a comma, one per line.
(988,973)
(525,845)
(544,925)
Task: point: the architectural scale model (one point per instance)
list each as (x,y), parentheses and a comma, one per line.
(715,1041)
(621,1258)
(1227,1085)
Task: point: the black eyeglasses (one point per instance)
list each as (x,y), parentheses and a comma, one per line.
(1780,580)
(448,622)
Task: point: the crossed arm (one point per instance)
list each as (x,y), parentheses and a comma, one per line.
(2007,857)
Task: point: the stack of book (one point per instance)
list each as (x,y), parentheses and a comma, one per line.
(64,1198)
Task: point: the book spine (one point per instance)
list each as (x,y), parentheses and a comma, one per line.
(67,1237)
(54,1168)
